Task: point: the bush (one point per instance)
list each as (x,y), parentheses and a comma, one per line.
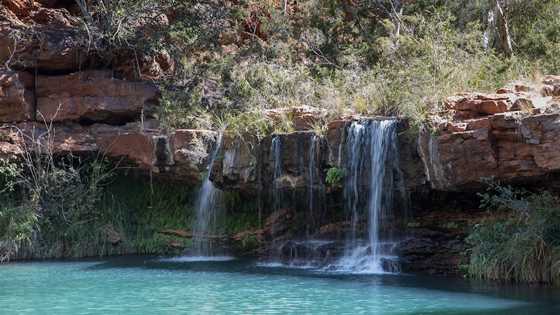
(522,242)
(335,176)
(17,224)
(46,199)
(317,57)
(367,57)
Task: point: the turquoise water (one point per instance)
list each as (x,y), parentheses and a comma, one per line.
(151,286)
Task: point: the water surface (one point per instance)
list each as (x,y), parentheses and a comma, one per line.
(153,286)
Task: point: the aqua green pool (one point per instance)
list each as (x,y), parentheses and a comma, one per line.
(152,286)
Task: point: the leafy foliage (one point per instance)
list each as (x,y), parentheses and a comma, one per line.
(370,57)
(522,244)
(335,176)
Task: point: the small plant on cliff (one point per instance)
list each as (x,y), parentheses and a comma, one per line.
(522,242)
(335,176)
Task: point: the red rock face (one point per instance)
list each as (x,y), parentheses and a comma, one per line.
(181,156)
(45,81)
(15,100)
(476,105)
(63,47)
(508,136)
(93,96)
(57,49)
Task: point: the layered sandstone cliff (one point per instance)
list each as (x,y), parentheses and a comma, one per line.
(55,88)
(510,136)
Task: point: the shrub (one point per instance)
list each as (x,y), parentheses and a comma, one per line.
(335,176)
(50,198)
(17,224)
(522,243)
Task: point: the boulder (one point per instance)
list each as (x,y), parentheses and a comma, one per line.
(468,106)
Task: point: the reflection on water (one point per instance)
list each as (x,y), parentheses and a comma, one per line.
(175,286)
(197,258)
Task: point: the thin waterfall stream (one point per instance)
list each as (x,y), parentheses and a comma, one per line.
(276,149)
(209,211)
(312,179)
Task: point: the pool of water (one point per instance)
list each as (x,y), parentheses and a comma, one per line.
(144,285)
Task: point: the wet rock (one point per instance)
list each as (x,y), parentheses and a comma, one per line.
(333,231)
(309,252)
(247,164)
(277,225)
(235,167)
(436,241)
(191,150)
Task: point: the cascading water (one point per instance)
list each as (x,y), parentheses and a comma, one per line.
(276,149)
(209,209)
(370,151)
(312,178)
(277,196)
(304,251)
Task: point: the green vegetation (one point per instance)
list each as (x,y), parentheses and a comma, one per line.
(67,206)
(335,176)
(242,214)
(139,211)
(124,215)
(380,57)
(47,200)
(522,242)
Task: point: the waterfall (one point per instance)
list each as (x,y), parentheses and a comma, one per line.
(209,210)
(312,177)
(276,149)
(370,153)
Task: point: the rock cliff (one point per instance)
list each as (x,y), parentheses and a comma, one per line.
(510,136)
(54,88)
